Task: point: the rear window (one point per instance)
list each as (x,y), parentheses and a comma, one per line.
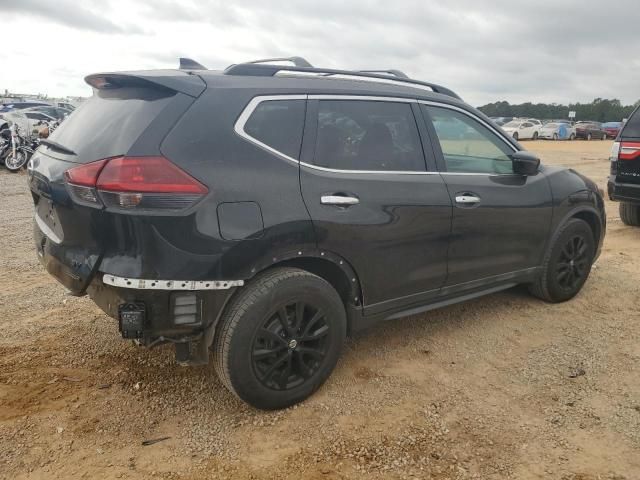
(632,127)
(108,124)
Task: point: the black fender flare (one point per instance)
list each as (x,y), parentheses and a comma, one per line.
(307,259)
(578,212)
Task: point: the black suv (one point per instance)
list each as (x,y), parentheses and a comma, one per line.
(624,182)
(267,211)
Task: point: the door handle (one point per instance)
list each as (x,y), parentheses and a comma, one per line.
(339,200)
(467,199)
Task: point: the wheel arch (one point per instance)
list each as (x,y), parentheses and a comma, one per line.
(332,268)
(587,214)
(593,220)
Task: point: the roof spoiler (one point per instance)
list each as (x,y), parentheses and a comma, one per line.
(173,80)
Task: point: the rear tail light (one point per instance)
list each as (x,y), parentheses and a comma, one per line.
(629,150)
(150,183)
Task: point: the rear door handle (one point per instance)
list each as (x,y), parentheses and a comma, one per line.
(467,199)
(339,200)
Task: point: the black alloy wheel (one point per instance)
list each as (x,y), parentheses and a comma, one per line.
(573,264)
(567,263)
(291,345)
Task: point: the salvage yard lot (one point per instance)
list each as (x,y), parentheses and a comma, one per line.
(504,386)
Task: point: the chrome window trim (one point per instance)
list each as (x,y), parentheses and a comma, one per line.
(370,98)
(255,101)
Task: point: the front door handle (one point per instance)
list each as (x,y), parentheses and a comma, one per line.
(339,200)
(467,199)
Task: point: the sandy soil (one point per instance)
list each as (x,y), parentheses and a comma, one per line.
(505,386)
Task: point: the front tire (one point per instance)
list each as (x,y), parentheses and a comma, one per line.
(555,136)
(515,136)
(280,338)
(589,136)
(535,135)
(630,214)
(567,264)
(15,162)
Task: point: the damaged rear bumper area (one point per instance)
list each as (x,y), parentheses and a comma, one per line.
(154,312)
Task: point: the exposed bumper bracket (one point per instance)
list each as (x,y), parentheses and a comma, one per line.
(142,284)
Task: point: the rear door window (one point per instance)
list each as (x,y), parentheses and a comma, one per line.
(365,135)
(278,124)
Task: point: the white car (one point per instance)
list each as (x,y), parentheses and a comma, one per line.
(522,129)
(557,131)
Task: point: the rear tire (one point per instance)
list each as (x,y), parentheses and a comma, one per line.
(279,338)
(567,264)
(572,136)
(589,136)
(630,214)
(555,136)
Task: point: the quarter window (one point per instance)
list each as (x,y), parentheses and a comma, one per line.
(467,145)
(367,135)
(278,124)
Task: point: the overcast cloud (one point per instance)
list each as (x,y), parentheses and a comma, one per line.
(540,50)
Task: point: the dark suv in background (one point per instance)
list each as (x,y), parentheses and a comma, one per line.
(267,211)
(624,182)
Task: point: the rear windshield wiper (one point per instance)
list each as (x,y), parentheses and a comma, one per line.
(56,146)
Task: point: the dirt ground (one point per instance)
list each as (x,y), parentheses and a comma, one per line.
(504,386)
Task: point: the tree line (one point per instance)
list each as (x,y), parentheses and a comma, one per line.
(600,110)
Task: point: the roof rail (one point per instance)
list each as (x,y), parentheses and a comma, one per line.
(189,64)
(261,70)
(297,61)
(395,73)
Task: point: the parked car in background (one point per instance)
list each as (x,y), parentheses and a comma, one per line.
(27,121)
(611,129)
(188,244)
(66,105)
(56,112)
(7,107)
(535,121)
(624,181)
(557,131)
(589,130)
(501,120)
(522,129)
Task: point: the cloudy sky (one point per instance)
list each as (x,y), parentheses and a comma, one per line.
(533,50)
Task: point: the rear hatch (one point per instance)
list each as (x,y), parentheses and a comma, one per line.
(128,114)
(626,153)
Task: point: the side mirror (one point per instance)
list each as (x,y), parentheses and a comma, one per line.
(525,163)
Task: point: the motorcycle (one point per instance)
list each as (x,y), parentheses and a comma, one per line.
(19,150)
